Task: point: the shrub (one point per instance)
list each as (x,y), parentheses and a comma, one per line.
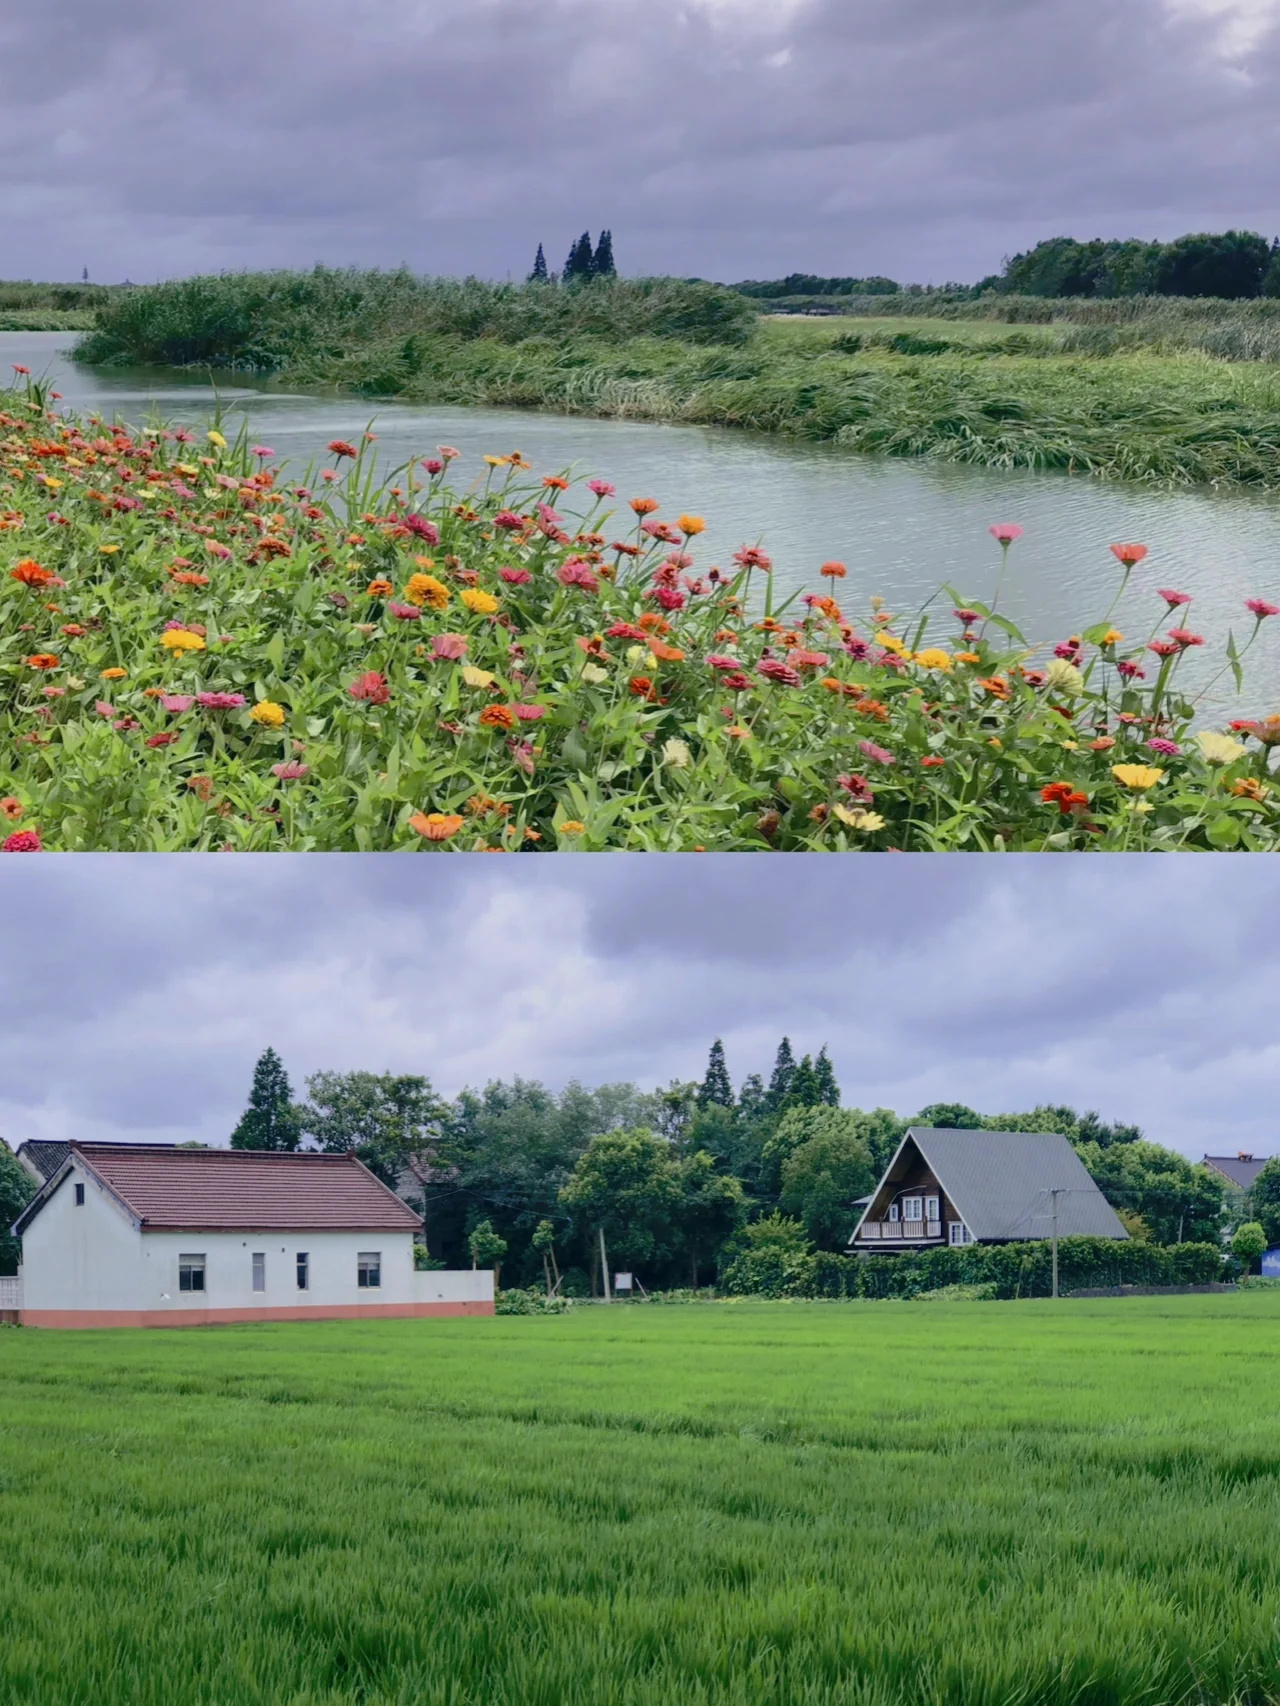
(516,1301)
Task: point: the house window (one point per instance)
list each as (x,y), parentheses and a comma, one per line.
(259,1270)
(190,1273)
(893,1211)
(369,1269)
(960,1233)
(304,1270)
(912,1207)
(931,1207)
(79,1196)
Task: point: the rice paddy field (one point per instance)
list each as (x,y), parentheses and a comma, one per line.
(747,1503)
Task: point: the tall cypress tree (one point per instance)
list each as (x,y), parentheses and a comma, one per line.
(580,261)
(784,1070)
(824,1072)
(603,266)
(271,1120)
(751,1098)
(716,1087)
(539,274)
(804,1086)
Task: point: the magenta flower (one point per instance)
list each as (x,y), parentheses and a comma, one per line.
(515,577)
(669,598)
(177,702)
(421,528)
(508,520)
(449,646)
(966,617)
(22,841)
(1130,670)
(857,649)
(717,660)
(1169,748)
(220,701)
(869,749)
(433,467)
(1171,598)
(782,673)
(601,488)
(575,572)
(1005,531)
(263,450)
(1261,608)
(290,772)
(858,788)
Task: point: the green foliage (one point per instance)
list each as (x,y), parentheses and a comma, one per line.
(1264,1200)
(821,1181)
(627,1184)
(953,1114)
(17,1188)
(539,274)
(716,1085)
(270,1121)
(1248,1242)
(1178,1202)
(772,1257)
(1026,1269)
(827,1091)
(1224,265)
(386,1119)
(515,1301)
(802,1125)
(780,1081)
(712,1208)
(809,284)
(424,1262)
(487,1246)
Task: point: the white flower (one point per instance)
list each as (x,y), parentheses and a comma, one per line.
(676,754)
(1219,749)
(1064,677)
(593,673)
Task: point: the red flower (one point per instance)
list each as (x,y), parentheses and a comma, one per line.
(340,447)
(932,762)
(372,687)
(1164,648)
(857,787)
(1129,554)
(160,739)
(515,577)
(1171,598)
(23,841)
(737,682)
(1261,608)
(782,673)
(626,631)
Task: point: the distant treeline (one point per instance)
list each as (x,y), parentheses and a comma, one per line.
(18,294)
(809,284)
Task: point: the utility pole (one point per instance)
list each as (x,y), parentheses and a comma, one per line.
(604,1269)
(1054,1194)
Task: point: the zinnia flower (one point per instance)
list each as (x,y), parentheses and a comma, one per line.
(934,658)
(268,713)
(181,640)
(529,713)
(436,826)
(601,488)
(341,448)
(1137,776)
(1260,608)
(426,590)
(869,749)
(1129,554)
(164,739)
(22,841)
(42,660)
(220,701)
(571,826)
(497,717)
(690,525)
(404,612)
(1005,531)
(1063,677)
(1166,748)
(291,771)
(114,674)
(833,571)
(372,687)
(858,819)
(449,646)
(857,787)
(577,573)
(676,754)
(1171,598)
(782,673)
(1183,637)
(31,573)
(645,506)
(1219,749)
(515,577)
(11,807)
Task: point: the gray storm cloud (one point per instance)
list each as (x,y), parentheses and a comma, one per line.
(721,137)
(137,991)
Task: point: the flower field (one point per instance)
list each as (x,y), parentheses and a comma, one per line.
(894,1504)
(197,652)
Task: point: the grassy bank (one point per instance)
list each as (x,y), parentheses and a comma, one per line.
(897,1504)
(1126,398)
(46,319)
(193,655)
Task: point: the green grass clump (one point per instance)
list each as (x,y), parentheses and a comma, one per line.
(982,1504)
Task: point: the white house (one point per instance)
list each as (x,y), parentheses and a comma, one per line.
(136,1235)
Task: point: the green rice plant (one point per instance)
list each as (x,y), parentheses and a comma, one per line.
(963,1505)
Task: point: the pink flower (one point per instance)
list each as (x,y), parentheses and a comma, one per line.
(1169,748)
(508,520)
(782,673)
(449,646)
(448,452)
(421,527)
(22,841)
(529,713)
(370,686)
(515,577)
(522,753)
(177,702)
(1184,637)
(1130,670)
(752,557)
(856,648)
(577,573)
(1261,608)
(17,368)
(1171,598)
(601,488)
(222,552)
(808,660)
(433,467)
(54,692)
(626,631)
(263,450)
(405,612)
(858,787)
(718,661)
(1005,531)
(290,772)
(220,701)
(1164,648)
(737,682)
(669,598)
(869,749)
(104,710)
(1129,554)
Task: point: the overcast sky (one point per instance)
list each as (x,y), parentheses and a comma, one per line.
(725,138)
(137,991)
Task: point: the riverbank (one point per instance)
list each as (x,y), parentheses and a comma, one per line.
(1091,399)
(45,320)
(194,656)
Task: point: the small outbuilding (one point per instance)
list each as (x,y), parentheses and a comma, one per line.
(956,1187)
(139,1235)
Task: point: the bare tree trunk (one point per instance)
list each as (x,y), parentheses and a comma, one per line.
(546,1272)
(604,1270)
(693,1269)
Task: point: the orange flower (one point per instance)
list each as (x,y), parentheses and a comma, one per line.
(436,826)
(497,717)
(735,731)
(42,660)
(690,524)
(571,826)
(379,589)
(1104,743)
(73,630)
(1247,788)
(31,573)
(833,571)
(652,623)
(11,808)
(644,506)
(726,637)
(967,657)
(426,592)
(995,685)
(552,482)
(188,577)
(665,653)
(114,674)
(480,805)
(641,686)
(200,786)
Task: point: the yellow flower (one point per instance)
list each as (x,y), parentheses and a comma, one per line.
(892,643)
(53,484)
(497,461)
(216,438)
(968,657)
(268,713)
(483,603)
(1219,749)
(1137,776)
(427,590)
(690,524)
(856,818)
(676,754)
(190,469)
(108,550)
(933,658)
(179,640)
(571,826)
(116,674)
(635,653)
(476,677)
(1063,677)
(1112,637)
(1071,746)
(594,674)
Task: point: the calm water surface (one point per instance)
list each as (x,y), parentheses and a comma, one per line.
(902,528)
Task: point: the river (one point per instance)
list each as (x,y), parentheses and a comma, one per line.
(901,527)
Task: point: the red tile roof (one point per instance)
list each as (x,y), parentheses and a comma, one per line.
(246,1190)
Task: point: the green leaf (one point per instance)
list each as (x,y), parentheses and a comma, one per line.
(1223,832)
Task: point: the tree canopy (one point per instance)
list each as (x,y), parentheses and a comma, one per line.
(17,1188)
(271,1120)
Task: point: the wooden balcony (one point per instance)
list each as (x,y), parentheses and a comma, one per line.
(891,1232)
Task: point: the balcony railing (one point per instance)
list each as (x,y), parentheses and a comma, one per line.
(900,1231)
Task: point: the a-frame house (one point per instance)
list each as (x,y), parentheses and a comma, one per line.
(950,1186)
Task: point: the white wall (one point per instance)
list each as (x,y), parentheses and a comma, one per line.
(81,1258)
(453,1285)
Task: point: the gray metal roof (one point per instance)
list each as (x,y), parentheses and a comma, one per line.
(1001,1183)
(43,1157)
(1242,1170)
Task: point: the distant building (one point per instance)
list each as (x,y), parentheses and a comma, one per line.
(953,1187)
(1238,1173)
(150,1235)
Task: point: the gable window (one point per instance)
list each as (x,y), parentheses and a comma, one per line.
(79,1196)
(303,1270)
(959,1232)
(259,1270)
(190,1273)
(912,1208)
(369,1269)
(931,1207)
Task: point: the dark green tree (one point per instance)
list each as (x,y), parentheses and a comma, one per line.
(627,1185)
(752,1096)
(797,1127)
(805,1090)
(1228,263)
(784,1071)
(952,1114)
(539,275)
(270,1121)
(1271,282)
(712,1208)
(581,262)
(1179,1203)
(821,1182)
(602,265)
(487,1249)
(17,1188)
(824,1073)
(1248,1243)
(387,1120)
(678,1107)
(1264,1200)
(716,1086)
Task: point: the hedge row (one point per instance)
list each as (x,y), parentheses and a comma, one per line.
(1016,1270)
